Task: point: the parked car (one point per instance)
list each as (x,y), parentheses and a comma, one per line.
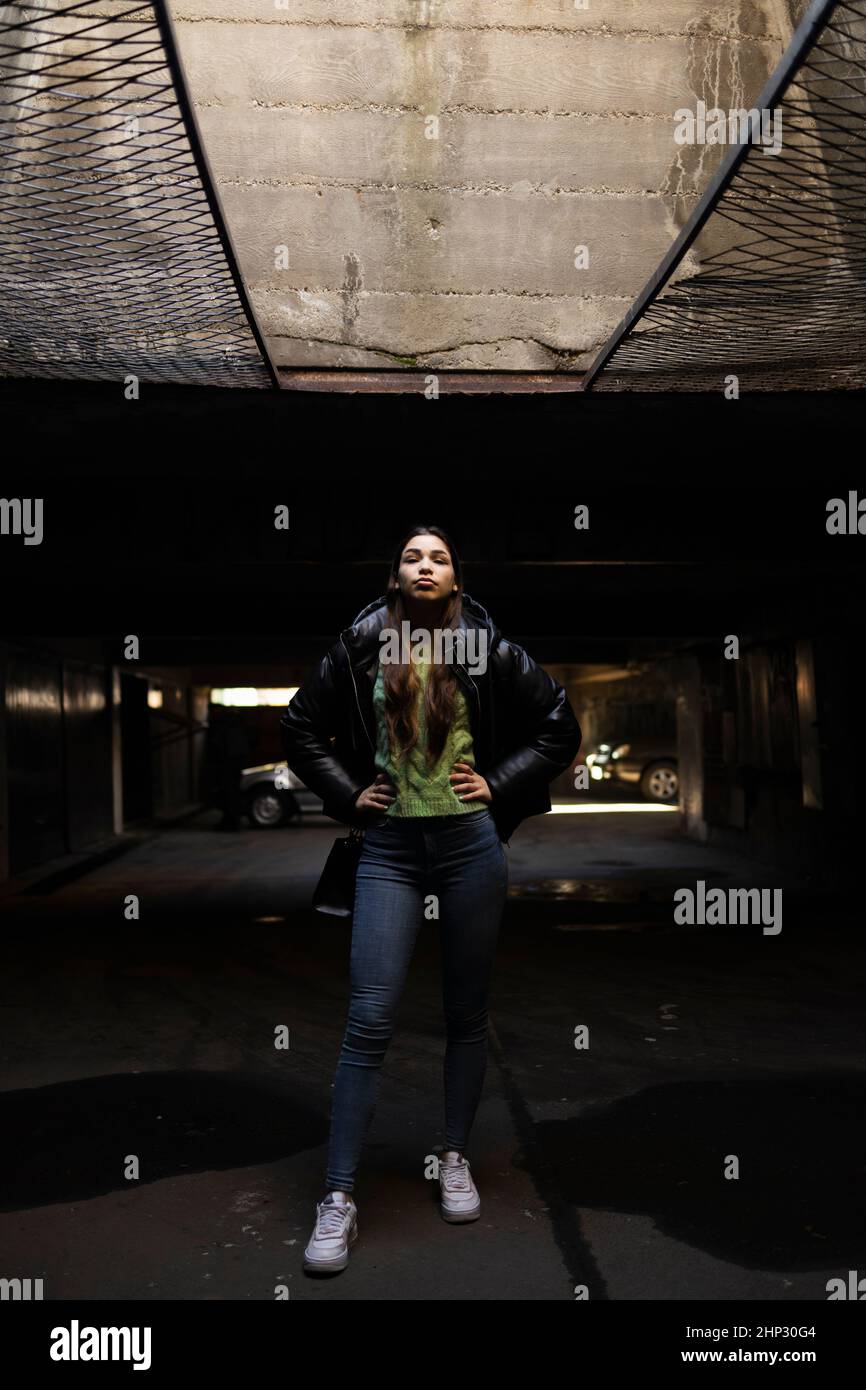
(648,761)
(272,796)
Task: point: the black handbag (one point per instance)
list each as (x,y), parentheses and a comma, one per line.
(335,891)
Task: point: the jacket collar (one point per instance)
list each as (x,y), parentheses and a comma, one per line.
(361,638)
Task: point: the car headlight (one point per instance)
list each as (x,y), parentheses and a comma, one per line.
(621,750)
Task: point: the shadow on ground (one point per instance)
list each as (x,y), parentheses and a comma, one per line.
(799,1200)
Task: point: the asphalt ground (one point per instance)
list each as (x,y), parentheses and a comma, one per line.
(601,1168)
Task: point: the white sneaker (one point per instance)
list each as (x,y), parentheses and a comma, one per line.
(460,1200)
(335,1230)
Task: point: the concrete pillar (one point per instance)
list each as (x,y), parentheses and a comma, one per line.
(690,746)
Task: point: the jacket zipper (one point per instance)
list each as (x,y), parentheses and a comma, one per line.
(478,700)
(475,688)
(357,699)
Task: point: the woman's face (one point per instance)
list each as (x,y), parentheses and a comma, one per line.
(426,574)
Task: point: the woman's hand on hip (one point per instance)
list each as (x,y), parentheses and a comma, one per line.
(378,796)
(464,779)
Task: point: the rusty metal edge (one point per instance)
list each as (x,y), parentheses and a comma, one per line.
(466,383)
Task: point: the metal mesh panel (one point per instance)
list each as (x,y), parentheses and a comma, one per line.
(114,256)
(780,297)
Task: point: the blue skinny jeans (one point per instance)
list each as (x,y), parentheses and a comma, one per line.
(459,858)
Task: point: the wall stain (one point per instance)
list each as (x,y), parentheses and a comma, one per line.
(350,291)
(716,76)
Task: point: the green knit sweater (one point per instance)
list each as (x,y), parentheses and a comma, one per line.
(423,792)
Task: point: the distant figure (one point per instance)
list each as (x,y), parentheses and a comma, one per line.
(231,749)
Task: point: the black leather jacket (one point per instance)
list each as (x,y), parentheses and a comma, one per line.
(524,730)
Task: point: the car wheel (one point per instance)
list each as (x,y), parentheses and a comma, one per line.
(267,809)
(660,782)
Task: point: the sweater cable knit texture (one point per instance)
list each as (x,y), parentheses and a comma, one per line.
(419,791)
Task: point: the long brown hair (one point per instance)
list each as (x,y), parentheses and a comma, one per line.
(401,680)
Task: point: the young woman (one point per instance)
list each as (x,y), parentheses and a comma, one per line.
(438,752)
